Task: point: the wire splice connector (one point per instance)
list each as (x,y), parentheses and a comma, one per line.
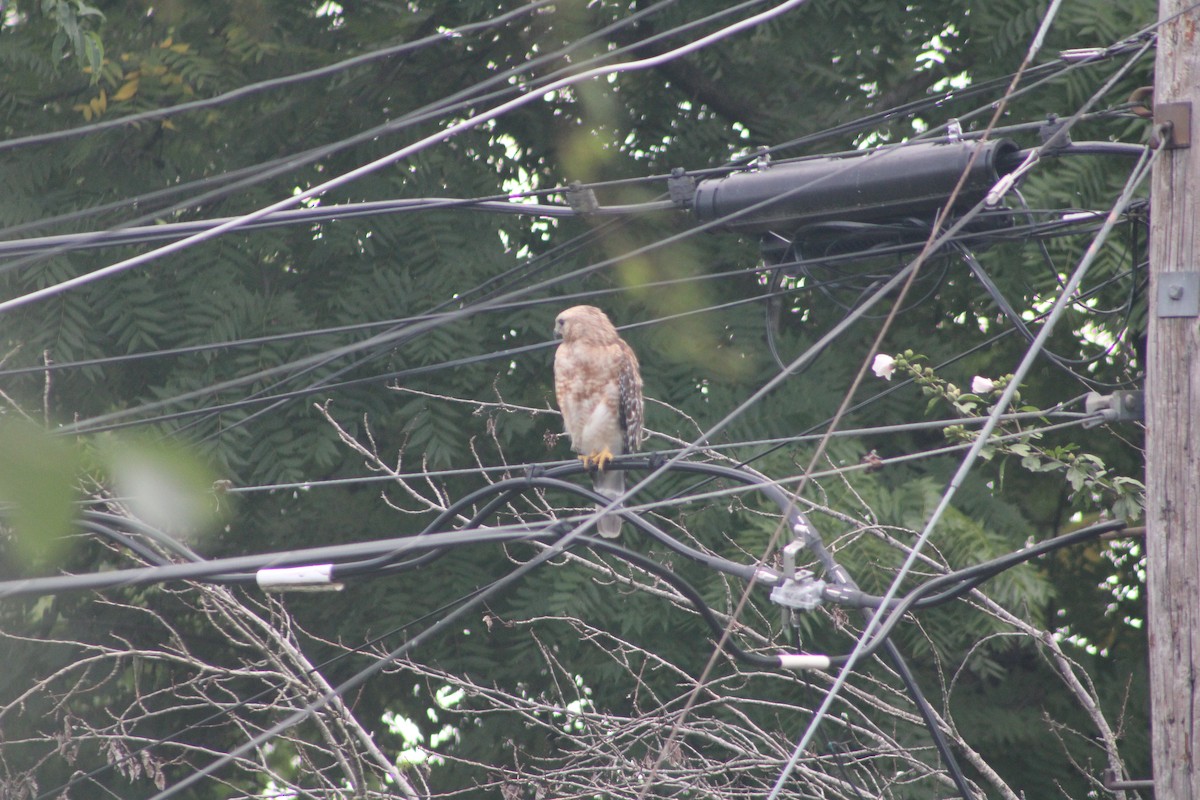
(802,592)
(1126,406)
(799,590)
(681,187)
(308,578)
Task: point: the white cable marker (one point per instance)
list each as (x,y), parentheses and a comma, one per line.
(309,578)
(802,661)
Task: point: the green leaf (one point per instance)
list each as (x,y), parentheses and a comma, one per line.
(37,477)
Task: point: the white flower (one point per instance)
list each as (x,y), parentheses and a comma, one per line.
(982,385)
(883,366)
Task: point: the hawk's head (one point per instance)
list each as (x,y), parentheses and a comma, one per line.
(584,323)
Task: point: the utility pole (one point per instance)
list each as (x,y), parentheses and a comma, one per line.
(1173,414)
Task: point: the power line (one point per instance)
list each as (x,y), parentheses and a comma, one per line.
(259,376)
(902,280)
(429,321)
(854,433)
(1020,232)
(1006,398)
(473,121)
(273,83)
(498,204)
(457,101)
(977,575)
(501,204)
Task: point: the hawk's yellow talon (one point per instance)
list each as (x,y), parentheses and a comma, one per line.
(596,460)
(602,458)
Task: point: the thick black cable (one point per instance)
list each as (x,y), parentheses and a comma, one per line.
(552,550)
(925,709)
(169,231)
(502,492)
(957,583)
(394,548)
(122,539)
(501,204)
(166,541)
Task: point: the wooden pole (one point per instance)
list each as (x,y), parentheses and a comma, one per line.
(1173,415)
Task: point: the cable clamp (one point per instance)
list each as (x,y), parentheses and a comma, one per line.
(802,592)
(681,187)
(799,590)
(1082,54)
(309,578)
(1115,407)
(1002,187)
(954,131)
(762,158)
(1054,135)
(801,530)
(581,199)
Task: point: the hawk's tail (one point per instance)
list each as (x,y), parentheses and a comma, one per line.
(611,484)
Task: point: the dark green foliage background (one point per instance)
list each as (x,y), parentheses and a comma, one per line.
(822,65)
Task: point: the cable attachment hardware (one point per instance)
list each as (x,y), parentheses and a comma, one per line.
(582,199)
(1115,407)
(954,131)
(1081,54)
(681,187)
(799,591)
(307,578)
(1054,134)
(1175,120)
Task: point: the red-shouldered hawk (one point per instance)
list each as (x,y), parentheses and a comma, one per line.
(599,389)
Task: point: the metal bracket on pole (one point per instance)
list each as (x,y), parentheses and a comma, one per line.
(1114,783)
(1176,119)
(1178,294)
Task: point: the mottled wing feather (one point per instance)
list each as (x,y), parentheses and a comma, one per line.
(629,386)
